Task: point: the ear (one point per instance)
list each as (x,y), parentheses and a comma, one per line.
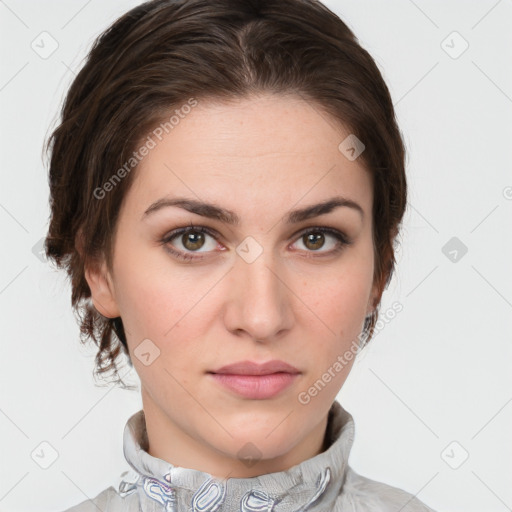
(102,289)
(374,298)
(378,287)
(100,283)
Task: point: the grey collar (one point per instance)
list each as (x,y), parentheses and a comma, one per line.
(312,485)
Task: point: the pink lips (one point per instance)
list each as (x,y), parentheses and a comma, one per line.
(256,381)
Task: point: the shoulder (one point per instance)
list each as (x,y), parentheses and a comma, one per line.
(363,494)
(108,500)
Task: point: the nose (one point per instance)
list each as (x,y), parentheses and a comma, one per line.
(259,299)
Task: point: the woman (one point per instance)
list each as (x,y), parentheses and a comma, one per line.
(227,183)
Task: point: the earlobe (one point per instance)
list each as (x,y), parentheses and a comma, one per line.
(102,290)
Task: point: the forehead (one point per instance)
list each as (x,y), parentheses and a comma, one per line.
(273,151)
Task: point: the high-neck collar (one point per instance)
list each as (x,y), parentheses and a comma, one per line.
(312,485)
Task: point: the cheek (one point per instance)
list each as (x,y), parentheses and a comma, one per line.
(333,342)
(341,299)
(148,303)
(161,303)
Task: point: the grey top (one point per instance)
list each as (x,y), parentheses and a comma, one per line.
(322,483)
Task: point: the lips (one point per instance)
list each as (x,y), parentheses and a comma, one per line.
(255,381)
(253,368)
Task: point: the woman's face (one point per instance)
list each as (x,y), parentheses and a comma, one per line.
(270,286)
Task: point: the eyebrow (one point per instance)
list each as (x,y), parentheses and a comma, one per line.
(212,211)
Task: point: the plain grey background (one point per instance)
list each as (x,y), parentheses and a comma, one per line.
(431,395)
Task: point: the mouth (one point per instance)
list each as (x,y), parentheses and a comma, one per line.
(253,368)
(255,387)
(254,380)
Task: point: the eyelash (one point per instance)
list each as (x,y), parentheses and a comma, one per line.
(342,239)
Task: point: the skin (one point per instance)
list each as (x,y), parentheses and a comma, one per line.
(259,157)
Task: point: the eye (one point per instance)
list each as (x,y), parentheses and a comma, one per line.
(184,242)
(189,239)
(314,239)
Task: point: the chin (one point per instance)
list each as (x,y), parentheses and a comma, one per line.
(254,448)
(271,437)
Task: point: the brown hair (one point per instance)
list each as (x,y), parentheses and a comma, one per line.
(162,53)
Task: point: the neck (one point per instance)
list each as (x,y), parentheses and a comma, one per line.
(172,443)
(314,485)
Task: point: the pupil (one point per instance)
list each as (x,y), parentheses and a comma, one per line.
(315,239)
(193,240)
